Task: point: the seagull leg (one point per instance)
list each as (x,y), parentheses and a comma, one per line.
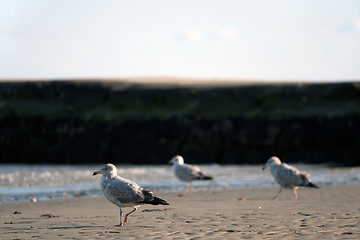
(295,194)
(277,195)
(127,215)
(190,188)
(187,188)
(121,217)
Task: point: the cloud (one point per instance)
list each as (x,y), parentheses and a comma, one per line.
(227,33)
(194,35)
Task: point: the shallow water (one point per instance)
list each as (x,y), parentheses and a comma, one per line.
(44,182)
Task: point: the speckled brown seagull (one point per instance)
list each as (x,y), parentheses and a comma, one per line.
(288,176)
(124,192)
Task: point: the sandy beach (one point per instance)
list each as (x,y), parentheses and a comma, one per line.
(331,212)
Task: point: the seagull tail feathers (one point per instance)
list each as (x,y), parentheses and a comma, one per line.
(201,176)
(312,185)
(151,199)
(206,177)
(158,201)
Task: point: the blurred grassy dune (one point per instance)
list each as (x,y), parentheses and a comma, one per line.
(149,120)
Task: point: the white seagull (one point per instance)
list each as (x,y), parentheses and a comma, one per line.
(288,176)
(186,172)
(124,192)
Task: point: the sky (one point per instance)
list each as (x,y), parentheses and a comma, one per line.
(214,39)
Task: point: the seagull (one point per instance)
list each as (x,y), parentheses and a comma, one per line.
(288,176)
(186,172)
(123,192)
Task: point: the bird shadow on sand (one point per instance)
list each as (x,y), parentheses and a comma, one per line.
(76,227)
(157,210)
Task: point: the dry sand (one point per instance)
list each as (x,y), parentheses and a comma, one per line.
(331,212)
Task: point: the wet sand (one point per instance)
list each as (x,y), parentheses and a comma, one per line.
(331,212)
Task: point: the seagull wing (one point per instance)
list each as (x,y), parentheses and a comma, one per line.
(124,190)
(287,175)
(187,172)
